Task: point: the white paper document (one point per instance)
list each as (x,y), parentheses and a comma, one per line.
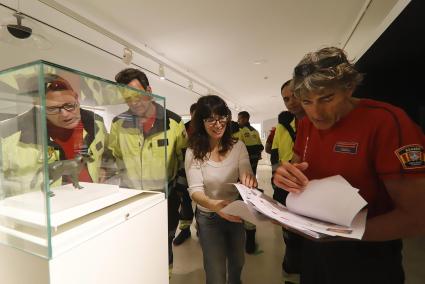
(246,211)
(330,199)
(330,206)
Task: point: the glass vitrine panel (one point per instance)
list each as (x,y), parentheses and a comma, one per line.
(70,144)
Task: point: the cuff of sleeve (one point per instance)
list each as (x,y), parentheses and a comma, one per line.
(192,190)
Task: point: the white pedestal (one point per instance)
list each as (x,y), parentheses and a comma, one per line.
(125,242)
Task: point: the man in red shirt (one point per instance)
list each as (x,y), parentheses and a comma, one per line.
(73,131)
(377,148)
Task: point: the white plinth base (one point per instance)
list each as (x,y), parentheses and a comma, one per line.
(132,252)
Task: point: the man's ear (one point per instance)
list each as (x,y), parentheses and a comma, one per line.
(149,89)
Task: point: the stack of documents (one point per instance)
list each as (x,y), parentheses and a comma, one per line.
(329,206)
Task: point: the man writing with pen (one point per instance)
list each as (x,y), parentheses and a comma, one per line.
(377,148)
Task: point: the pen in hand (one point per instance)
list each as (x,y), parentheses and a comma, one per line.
(305,148)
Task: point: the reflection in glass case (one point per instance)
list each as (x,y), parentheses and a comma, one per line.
(70,146)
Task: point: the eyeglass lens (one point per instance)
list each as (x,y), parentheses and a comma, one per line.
(57,109)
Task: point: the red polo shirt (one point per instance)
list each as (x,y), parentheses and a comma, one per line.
(71,142)
(374,142)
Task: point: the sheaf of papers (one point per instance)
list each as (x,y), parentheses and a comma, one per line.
(328,206)
(246,211)
(330,199)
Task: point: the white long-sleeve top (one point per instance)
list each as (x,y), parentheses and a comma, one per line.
(214,178)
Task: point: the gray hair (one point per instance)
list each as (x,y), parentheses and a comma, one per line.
(327,68)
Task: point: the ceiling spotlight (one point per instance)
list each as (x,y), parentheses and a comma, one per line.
(190,86)
(161,72)
(260,61)
(19,31)
(127,56)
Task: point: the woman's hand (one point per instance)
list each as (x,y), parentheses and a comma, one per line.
(290,177)
(217,205)
(230,218)
(249,180)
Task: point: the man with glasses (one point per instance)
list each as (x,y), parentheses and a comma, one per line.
(71,131)
(137,143)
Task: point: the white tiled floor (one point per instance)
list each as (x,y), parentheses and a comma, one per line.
(265,267)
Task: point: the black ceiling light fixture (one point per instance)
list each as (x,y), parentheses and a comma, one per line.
(19,31)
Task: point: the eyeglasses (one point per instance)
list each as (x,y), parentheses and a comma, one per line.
(57,109)
(305,70)
(222,120)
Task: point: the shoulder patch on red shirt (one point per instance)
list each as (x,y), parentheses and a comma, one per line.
(346,147)
(411,156)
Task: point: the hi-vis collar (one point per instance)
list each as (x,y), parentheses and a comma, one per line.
(411,156)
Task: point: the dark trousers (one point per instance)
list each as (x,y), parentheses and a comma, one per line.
(254,164)
(185,204)
(173,219)
(352,262)
(293,243)
(292,259)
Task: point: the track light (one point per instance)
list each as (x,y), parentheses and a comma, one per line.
(161,72)
(127,56)
(190,86)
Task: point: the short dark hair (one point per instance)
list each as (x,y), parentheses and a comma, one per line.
(244,114)
(129,74)
(285,84)
(208,106)
(193,108)
(285,118)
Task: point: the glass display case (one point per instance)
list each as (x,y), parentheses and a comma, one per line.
(70,145)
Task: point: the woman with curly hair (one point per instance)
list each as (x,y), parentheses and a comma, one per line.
(214,160)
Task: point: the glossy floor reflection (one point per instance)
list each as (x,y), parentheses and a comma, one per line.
(265,267)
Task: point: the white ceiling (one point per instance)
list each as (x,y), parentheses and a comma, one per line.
(218,41)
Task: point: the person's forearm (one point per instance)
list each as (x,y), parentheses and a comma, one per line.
(203,200)
(393,225)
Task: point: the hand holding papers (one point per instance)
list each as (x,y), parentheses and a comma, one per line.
(329,206)
(330,199)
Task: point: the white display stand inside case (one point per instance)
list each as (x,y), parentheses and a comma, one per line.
(104,232)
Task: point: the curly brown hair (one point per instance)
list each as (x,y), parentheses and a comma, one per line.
(208,106)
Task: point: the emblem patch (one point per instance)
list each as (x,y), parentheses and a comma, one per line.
(346,147)
(411,156)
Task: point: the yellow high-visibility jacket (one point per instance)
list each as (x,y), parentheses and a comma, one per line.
(149,161)
(22,153)
(251,138)
(282,145)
